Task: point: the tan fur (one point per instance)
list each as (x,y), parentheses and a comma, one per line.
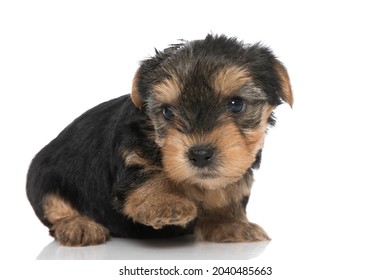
(135,95)
(210,199)
(168,91)
(224,230)
(255,138)
(228,224)
(228,80)
(69,227)
(56,209)
(157,203)
(234,156)
(132,158)
(180,192)
(287,94)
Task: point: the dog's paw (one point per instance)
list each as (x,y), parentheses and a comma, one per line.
(167,210)
(237,231)
(79,231)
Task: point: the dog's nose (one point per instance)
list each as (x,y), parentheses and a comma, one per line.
(201,156)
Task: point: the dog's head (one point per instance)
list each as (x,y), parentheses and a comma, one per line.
(211,102)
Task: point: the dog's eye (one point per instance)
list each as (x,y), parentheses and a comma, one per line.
(236,105)
(168,113)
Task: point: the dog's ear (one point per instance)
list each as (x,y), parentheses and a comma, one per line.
(136,97)
(145,75)
(285,85)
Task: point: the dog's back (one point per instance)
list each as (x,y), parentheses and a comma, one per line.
(81,166)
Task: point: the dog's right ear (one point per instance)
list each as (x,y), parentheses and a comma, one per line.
(136,97)
(144,78)
(145,75)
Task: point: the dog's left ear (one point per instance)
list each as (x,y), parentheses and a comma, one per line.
(285,85)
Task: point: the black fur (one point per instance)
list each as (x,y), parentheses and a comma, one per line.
(212,53)
(84,164)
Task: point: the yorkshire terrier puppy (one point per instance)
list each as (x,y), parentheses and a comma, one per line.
(174,157)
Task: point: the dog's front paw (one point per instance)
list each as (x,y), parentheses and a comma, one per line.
(237,231)
(162,211)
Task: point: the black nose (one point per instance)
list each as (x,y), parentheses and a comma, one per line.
(201,156)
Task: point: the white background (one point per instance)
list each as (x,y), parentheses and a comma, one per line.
(322,190)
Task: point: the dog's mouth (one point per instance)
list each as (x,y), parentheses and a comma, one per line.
(212,180)
(206,175)
(212,177)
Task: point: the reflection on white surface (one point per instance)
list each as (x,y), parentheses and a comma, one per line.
(183,248)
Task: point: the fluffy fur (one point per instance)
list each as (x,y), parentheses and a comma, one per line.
(175,157)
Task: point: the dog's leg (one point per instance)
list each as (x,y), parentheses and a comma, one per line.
(146,196)
(156,203)
(71,228)
(228,224)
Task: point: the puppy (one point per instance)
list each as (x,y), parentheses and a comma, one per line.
(175,157)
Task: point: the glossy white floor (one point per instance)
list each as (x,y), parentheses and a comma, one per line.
(322,192)
(184,248)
